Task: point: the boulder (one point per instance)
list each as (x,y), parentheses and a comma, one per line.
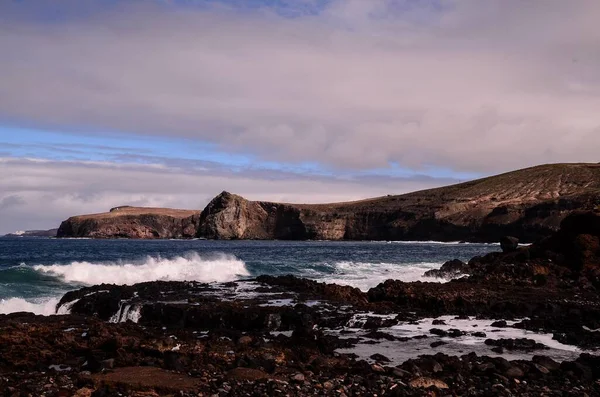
(509,243)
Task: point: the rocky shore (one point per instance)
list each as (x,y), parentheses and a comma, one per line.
(523,322)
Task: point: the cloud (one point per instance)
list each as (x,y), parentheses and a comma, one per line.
(11,201)
(41,193)
(475,86)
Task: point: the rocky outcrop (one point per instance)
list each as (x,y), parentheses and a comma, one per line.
(133,222)
(528,204)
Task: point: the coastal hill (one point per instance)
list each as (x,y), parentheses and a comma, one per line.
(33,233)
(528,204)
(133,222)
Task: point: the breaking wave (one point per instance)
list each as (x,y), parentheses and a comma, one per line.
(189,267)
(44,306)
(364,275)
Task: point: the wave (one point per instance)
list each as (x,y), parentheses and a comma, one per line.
(189,267)
(44,306)
(433,242)
(364,275)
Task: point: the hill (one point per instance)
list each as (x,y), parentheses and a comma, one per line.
(528,203)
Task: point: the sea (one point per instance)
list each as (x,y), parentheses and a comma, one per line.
(36,272)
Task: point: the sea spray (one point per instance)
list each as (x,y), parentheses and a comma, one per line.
(365,275)
(45,306)
(189,267)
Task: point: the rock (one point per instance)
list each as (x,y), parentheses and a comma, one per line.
(429,365)
(469,211)
(499,324)
(249,374)
(425,382)
(133,222)
(377,368)
(541,369)
(245,340)
(380,358)
(438,332)
(546,362)
(455,333)
(298,378)
(438,343)
(449,269)
(509,244)
(438,322)
(400,373)
(108,364)
(514,372)
(516,344)
(83,392)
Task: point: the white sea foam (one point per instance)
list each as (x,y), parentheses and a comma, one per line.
(45,306)
(433,242)
(400,352)
(126,312)
(364,275)
(190,267)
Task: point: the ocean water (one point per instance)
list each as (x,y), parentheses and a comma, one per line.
(36,272)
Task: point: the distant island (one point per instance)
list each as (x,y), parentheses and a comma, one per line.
(528,204)
(33,233)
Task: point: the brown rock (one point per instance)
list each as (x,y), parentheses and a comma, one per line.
(425,382)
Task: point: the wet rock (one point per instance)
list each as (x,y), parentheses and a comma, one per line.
(399,372)
(499,324)
(438,332)
(546,362)
(509,244)
(438,322)
(378,322)
(516,344)
(541,369)
(438,343)
(380,358)
(449,269)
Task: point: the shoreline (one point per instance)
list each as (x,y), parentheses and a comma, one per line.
(523,321)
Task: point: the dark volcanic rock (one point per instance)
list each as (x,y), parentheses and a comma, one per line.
(509,244)
(449,269)
(516,344)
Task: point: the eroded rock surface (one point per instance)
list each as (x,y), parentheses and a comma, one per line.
(133,222)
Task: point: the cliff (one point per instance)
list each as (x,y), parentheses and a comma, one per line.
(528,204)
(133,222)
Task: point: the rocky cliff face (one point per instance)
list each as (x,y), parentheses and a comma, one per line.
(528,204)
(133,222)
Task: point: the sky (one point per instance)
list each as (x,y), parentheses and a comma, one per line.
(167,103)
